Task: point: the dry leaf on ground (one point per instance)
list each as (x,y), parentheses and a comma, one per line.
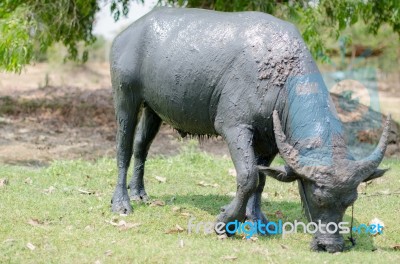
(123,225)
(50,190)
(89,228)
(396,247)
(250,239)
(157,203)
(89,192)
(222,237)
(9,240)
(161,179)
(229,258)
(279,214)
(232,172)
(3,182)
(176,229)
(205,184)
(128,226)
(176,209)
(36,222)
(28,181)
(186,214)
(30,246)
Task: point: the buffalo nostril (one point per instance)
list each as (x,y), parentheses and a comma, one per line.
(321,247)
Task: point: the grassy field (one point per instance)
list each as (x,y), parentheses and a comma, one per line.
(61,214)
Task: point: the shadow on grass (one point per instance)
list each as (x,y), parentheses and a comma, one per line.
(290,211)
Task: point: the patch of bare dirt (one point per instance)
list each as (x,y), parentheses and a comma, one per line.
(68,123)
(72,116)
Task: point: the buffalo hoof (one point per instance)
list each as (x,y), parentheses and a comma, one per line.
(259,218)
(120,203)
(228,214)
(139,195)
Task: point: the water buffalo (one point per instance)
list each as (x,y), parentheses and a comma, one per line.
(249,78)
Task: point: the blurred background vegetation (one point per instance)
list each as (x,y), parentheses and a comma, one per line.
(343,34)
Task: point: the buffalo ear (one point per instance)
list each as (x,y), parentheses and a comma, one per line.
(376,174)
(283,173)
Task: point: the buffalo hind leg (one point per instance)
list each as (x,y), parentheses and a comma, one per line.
(240,143)
(146,131)
(127,108)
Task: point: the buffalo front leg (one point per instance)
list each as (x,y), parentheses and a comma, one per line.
(127,108)
(146,131)
(253,209)
(240,143)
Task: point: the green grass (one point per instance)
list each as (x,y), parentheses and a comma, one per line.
(69,226)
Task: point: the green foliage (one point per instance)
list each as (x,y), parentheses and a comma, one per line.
(16,45)
(316,19)
(385,44)
(36,24)
(119,7)
(28,28)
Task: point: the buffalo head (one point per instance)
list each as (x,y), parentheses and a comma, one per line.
(326,190)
